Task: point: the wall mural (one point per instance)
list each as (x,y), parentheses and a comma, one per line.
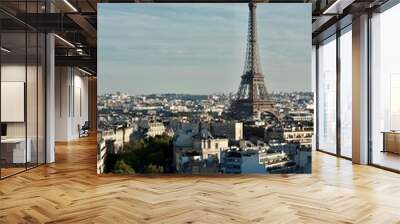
(204,88)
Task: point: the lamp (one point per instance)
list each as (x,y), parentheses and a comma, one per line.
(337,7)
(70,5)
(64,40)
(5,50)
(84,71)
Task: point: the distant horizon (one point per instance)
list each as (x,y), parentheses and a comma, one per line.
(200,48)
(193,94)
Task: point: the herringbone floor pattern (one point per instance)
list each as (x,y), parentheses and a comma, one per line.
(70,191)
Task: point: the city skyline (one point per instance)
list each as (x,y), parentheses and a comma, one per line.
(189,94)
(196,135)
(165,62)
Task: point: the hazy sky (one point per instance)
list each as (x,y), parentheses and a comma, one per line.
(200,48)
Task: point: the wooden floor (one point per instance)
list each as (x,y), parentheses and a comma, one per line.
(70,191)
(5,172)
(386,159)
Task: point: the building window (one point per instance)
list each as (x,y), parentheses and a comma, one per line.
(327,95)
(346,92)
(385,89)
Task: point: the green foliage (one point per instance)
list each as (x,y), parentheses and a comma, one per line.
(134,145)
(154,169)
(153,155)
(121,167)
(132,159)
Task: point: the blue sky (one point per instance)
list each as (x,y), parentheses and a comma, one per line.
(200,48)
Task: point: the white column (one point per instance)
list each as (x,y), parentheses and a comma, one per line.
(50,92)
(360,90)
(50,100)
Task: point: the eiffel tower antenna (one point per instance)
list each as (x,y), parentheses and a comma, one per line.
(252,97)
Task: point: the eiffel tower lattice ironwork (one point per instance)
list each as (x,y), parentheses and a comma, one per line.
(252,97)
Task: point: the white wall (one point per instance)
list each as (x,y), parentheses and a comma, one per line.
(13,73)
(71,103)
(61,103)
(33,126)
(81,113)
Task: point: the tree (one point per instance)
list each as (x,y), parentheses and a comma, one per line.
(152,155)
(134,160)
(122,167)
(134,145)
(154,169)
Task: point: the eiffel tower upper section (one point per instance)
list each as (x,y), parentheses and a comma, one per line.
(252,97)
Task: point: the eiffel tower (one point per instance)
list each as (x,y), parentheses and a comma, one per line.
(252,97)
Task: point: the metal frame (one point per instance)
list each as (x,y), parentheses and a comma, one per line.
(316,126)
(26,89)
(37,92)
(369,98)
(337,34)
(338,75)
(0,94)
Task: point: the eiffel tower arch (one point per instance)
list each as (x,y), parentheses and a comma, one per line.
(252,98)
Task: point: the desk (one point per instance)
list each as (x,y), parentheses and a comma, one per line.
(13,150)
(391,141)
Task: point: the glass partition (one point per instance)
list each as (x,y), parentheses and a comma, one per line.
(23,90)
(13,105)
